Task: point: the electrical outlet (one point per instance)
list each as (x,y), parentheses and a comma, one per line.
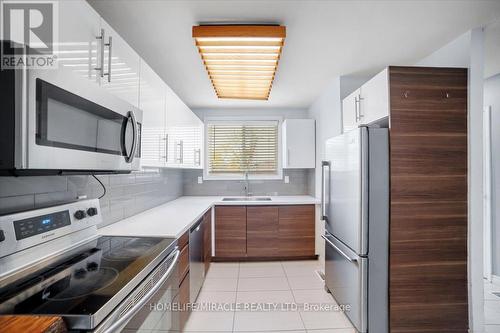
(200,180)
(287,179)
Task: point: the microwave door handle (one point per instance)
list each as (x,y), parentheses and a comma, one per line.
(324,164)
(130,158)
(117,325)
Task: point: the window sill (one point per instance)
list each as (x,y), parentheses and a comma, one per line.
(242,177)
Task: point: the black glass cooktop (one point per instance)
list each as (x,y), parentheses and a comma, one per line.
(82,283)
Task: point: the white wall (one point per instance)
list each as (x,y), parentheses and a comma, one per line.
(476,203)
(262,112)
(492,99)
(327,112)
(454,54)
(492,49)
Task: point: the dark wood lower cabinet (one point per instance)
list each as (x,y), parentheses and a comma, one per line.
(183,262)
(231,231)
(183,297)
(264,232)
(296,231)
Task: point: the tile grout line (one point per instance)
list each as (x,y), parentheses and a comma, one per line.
(293,295)
(236,295)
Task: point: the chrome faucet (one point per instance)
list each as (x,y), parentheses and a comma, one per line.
(247,185)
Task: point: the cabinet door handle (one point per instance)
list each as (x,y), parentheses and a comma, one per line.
(359,107)
(180,152)
(288,157)
(356,108)
(197,156)
(324,165)
(160,140)
(101,50)
(109,44)
(166,148)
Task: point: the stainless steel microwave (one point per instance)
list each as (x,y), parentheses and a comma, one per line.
(52,122)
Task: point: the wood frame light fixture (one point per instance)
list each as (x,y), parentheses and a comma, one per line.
(241,60)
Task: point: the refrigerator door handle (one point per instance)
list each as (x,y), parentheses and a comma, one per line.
(339,250)
(324,164)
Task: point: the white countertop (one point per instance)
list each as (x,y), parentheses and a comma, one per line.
(174,218)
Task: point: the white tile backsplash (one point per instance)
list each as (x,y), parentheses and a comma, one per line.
(126,195)
(298,185)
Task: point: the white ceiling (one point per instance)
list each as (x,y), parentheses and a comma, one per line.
(324,39)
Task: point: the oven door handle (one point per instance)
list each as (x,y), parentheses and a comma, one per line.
(117,325)
(131,156)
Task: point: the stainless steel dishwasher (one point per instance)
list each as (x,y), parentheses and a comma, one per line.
(196,265)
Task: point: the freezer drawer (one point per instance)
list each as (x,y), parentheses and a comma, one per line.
(346,278)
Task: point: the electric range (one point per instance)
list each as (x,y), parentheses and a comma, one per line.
(60,266)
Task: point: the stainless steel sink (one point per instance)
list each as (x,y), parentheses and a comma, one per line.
(247,199)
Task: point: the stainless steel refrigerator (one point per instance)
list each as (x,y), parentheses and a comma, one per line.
(355,208)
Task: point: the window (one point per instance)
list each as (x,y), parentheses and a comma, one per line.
(237,147)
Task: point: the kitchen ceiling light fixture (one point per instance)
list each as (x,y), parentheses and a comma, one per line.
(241,60)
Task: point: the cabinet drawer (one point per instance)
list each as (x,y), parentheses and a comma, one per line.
(183,240)
(183,263)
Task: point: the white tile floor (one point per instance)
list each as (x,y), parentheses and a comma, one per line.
(260,283)
(491,308)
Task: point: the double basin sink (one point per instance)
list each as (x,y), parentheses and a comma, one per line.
(247,199)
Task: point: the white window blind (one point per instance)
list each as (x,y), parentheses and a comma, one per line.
(239,147)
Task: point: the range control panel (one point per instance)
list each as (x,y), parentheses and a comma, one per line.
(26,229)
(40,224)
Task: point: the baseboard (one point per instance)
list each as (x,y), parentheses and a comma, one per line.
(249,259)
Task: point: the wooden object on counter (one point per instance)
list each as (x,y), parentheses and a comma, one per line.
(32,324)
(428,225)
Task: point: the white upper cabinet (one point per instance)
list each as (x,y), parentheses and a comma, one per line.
(367,105)
(172,135)
(120,72)
(184,134)
(350,116)
(152,102)
(374,103)
(78,48)
(299,142)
